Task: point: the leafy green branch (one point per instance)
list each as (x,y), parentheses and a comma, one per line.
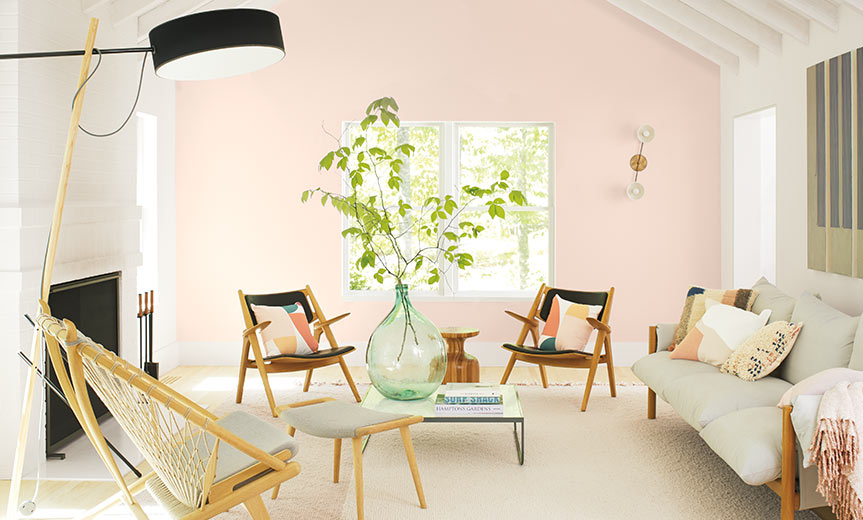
(381,216)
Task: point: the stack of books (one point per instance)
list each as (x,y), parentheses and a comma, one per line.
(470,399)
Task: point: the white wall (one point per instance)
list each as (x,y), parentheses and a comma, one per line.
(754,172)
(100,227)
(781,81)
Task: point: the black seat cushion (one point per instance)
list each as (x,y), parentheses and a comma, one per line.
(537,352)
(320,354)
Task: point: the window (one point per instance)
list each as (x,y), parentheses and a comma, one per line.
(512,257)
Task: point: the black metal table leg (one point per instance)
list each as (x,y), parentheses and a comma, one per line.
(519,446)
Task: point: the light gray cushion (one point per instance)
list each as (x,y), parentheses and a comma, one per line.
(255,431)
(825,341)
(702,398)
(804,416)
(658,370)
(335,419)
(857,352)
(750,442)
(664,335)
(231,461)
(769,297)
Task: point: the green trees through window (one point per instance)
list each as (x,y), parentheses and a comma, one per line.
(512,255)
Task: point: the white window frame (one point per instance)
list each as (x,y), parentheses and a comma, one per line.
(449,178)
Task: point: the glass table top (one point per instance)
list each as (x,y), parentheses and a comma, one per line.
(426,407)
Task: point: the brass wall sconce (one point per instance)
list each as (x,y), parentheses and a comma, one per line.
(638,162)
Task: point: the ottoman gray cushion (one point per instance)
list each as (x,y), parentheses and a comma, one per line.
(335,419)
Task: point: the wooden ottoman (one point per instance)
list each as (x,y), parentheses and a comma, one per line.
(338,420)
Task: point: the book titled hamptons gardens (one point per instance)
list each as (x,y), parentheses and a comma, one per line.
(470,399)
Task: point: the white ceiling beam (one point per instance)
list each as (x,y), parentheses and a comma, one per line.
(167,11)
(679,32)
(177,8)
(88,6)
(777,16)
(822,11)
(856,4)
(123,10)
(743,24)
(707,27)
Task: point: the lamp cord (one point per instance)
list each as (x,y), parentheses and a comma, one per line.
(134,105)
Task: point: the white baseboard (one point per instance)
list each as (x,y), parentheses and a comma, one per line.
(227,353)
(168,357)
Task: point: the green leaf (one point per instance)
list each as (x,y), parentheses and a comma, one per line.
(359,141)
(305,196)
(500,212)
(451,236)
(351,231)
(504,175)
(324,199)
(327,161)
(450,206)
(368,121)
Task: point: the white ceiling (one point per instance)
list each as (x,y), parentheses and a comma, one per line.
(730,31)
(150,13)
(724,31)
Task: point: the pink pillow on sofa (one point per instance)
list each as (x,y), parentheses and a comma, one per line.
(817,384)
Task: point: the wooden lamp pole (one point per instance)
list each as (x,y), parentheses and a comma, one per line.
(47,271)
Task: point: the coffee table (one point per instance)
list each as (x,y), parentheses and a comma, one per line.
(512,412)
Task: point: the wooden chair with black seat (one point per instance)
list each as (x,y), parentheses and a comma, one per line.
(293,313)
(543,308)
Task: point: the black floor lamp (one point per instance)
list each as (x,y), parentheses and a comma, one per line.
(208,45)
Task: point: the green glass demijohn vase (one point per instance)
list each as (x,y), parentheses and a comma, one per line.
(406,356)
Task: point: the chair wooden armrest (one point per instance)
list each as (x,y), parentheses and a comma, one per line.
(251,330)
(598,325)
(533,323)
(282,408)
(322,324)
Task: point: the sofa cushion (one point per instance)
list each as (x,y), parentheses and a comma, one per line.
(769,297)
(658,370)
(702,398)
(665,335)
(750,442)
(857,351)
(825,342)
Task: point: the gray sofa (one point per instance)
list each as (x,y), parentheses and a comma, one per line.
(740,420)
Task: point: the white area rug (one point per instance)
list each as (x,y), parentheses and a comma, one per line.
(606,464)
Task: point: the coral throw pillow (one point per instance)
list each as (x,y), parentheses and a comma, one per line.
(695,306)
(718,333)
(566,327)
(288,331)
(763,352)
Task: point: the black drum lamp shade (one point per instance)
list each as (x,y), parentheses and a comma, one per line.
(216,44)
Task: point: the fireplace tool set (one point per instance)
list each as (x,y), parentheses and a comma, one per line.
(145,334)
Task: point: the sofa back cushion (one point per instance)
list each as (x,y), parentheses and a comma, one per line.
(826,340)
(769,297)
(857,352)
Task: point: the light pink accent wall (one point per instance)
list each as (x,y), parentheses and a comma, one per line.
(247,147)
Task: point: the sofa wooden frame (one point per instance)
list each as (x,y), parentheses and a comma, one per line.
(292,364)
(786,485)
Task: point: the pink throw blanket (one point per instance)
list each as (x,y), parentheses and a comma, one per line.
(836,449)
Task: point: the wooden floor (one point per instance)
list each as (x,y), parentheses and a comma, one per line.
(212,386)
